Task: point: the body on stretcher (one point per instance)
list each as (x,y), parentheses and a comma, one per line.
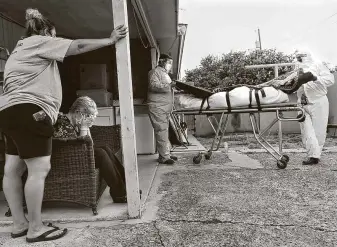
(271,96)
(237,97)
(221,125)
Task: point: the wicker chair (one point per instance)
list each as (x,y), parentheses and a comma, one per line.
(73,177)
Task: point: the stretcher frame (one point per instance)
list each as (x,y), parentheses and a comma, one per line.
(220,127)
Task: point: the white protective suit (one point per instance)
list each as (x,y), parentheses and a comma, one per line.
(313,129)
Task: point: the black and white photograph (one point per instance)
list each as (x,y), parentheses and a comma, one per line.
(168,123)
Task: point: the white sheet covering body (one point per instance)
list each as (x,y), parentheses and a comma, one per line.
(238,97)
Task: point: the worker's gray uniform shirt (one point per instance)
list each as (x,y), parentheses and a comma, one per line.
(32,76)
(159,89)
(160,104)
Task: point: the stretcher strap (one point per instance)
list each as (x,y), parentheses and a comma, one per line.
(228,102)
(250,97)
(202,104)
(257,97)
(263,93)
(258,100)
(229,107)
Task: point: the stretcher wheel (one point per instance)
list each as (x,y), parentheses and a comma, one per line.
(208,155)
(8,213)
(285,158)
(281,164)
(197,159)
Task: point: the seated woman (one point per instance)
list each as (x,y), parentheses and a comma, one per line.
(76,123)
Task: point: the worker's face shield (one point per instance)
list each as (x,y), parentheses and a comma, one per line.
(301,56)
(53,32)
(168,65)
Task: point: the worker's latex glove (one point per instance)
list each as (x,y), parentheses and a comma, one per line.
(304,99)
(308,76)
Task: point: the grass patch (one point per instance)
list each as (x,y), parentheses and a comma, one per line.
(327,162)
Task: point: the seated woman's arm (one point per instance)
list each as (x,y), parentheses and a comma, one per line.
(85,132)
(86,123)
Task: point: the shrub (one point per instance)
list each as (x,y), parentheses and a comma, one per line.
(215,73)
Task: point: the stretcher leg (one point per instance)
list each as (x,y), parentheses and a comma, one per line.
(256,124)
(280,133)
(219,129)
(223,131)
(219,134)
(179,128)
(209,117)
(282,160)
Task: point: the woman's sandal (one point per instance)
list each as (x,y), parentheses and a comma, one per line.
(20,234)
(44,236)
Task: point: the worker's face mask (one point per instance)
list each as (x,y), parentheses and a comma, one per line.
(53,33)
(168,66)
(300,57)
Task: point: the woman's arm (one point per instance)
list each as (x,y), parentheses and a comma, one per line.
(80,46)
(84,128)
(85,132)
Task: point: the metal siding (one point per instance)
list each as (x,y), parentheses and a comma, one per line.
(10,33)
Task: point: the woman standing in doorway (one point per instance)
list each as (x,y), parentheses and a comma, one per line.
(28,109)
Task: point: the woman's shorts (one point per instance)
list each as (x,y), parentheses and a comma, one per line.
(25,135)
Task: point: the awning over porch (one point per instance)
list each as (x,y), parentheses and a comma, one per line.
(94,19)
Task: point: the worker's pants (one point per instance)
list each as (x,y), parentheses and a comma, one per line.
(159,116)
(313,129)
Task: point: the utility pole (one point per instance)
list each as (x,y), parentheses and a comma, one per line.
(258,31)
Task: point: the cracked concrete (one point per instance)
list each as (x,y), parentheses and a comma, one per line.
(158,233)
(219,204)
(217,221)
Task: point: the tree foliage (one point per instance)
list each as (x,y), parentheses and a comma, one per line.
(215,73)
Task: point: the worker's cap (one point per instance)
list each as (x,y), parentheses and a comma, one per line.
(303,52)
(165,56)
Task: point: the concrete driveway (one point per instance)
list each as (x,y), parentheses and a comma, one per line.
(223,203)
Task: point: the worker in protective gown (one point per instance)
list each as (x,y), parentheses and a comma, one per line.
(160,103)
(313,95)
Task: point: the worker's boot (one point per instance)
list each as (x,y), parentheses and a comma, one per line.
(310,161)
(169,161)
(175,158)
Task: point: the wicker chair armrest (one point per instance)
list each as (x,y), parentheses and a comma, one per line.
(107,136)
(71,156)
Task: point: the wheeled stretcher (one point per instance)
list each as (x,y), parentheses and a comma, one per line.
(256,99)
(267,97)
(220,126)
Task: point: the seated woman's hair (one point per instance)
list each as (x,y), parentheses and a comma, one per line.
(37,24)
(84,105)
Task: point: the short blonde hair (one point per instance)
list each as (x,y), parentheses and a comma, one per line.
(84,105)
